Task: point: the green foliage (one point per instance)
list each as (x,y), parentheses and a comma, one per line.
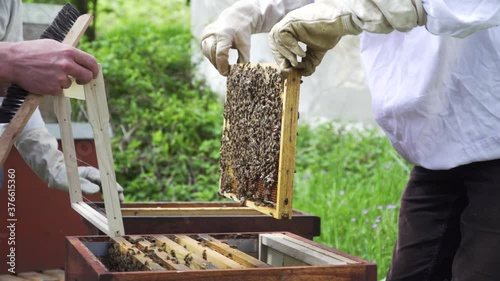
(167,125)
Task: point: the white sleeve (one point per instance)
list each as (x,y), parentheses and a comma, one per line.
(36,120)
(272,11)
(11,21)
(460,18)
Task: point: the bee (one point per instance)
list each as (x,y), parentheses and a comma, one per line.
(204,254)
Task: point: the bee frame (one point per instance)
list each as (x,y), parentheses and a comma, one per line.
(282,191)
(98,117)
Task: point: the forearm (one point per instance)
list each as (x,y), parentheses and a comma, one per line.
(460,18)
(6,54)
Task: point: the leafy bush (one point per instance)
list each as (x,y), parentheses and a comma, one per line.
(166,125)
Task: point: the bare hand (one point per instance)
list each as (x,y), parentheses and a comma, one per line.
(43,66)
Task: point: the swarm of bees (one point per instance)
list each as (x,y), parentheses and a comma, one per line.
(250,146)
(120,260)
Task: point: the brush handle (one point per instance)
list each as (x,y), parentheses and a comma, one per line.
(32,101)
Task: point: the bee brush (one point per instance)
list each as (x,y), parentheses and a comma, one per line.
(18,105)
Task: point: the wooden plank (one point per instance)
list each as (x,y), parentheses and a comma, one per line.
(206,253)
(35,276)
(235,254)
(194,261)
(138,256)
(91,215)
(62,109)
(316,249)
(98,116)
(99,214)
(296,251)
(181,204)
(286,171)
(80,263)
(17,124)
(158,254)
(189,211)
(32,101)
(57,273)
(9,277)
(270,211)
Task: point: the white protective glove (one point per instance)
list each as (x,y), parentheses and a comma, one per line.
(39,150)
(321,25)
(235,25)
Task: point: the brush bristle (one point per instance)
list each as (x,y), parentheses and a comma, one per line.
(57,31)
(62,23)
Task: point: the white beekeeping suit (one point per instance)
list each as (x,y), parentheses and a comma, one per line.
(385,38)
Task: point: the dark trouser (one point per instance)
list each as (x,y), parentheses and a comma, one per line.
(449,225)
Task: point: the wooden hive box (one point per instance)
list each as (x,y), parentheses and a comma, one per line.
(222,257)
(257,164)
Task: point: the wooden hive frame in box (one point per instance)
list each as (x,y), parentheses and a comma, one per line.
(259,138)
(269,256)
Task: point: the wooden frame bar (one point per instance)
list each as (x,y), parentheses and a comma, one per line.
(210,255)
(181,253)
(206,217)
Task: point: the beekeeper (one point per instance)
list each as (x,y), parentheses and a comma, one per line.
(433,70)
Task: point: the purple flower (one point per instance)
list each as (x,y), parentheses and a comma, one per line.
(353,219)
(341,192)
(391,206)
(365,212)
(377,220)
(374,225)
(380,207)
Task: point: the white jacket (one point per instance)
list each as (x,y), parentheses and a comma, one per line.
(436,89)
(436,96)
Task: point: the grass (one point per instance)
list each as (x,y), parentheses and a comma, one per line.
(352,180)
